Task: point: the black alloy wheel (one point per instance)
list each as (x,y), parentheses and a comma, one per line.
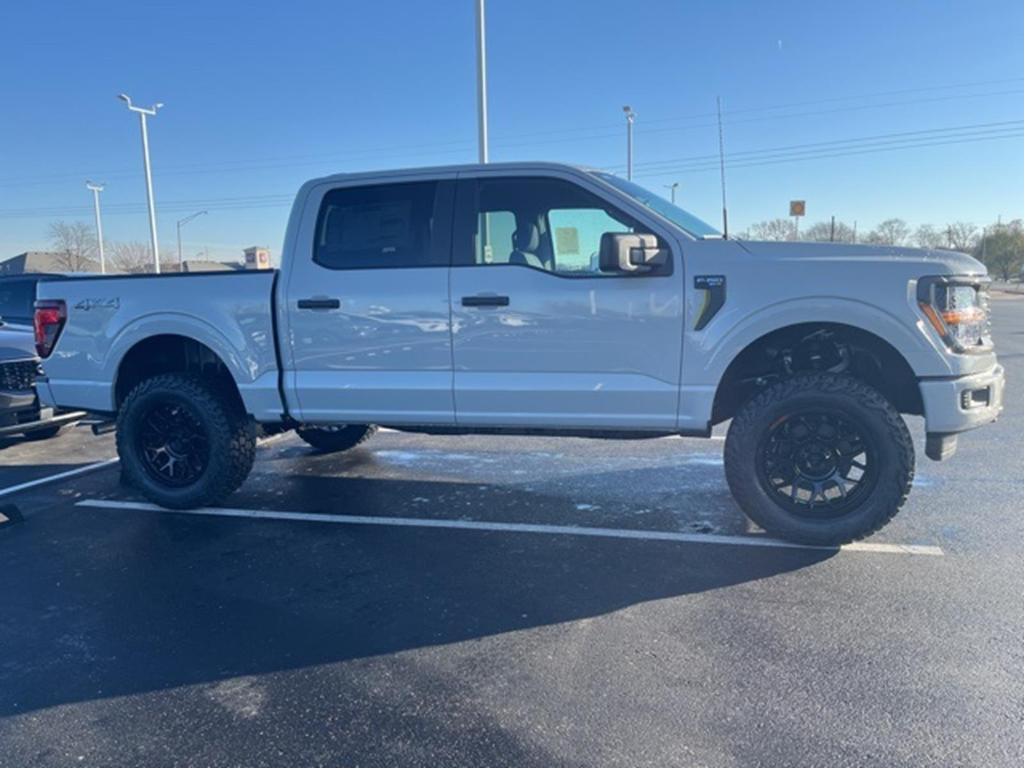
(817,464)
(172,443)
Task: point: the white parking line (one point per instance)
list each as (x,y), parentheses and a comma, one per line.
(555,530)
(100,465)
(58,476)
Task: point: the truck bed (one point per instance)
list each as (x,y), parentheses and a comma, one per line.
(231,313)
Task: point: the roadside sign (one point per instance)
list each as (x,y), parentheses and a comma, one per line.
(797,207)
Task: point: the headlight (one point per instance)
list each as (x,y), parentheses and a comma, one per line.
(957,307)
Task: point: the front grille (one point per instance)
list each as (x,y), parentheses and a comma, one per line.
(18,376)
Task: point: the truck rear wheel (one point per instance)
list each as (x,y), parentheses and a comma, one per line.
(184,443)
(335,438)
(819,459)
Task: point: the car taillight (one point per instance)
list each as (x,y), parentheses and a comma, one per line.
(49,322)
(957,307)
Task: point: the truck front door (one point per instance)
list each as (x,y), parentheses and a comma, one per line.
(541,336)
(366,325)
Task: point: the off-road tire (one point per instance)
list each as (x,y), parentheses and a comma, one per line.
(337,438)
(231,435)
(852,399)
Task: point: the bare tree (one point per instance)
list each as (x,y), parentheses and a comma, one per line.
(890,232)
(135,257)
(927,236)
(773,229)
(962,236)
(821,232)
(73,244)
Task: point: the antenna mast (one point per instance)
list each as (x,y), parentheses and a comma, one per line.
(721,162)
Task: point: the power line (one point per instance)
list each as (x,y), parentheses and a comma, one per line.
(462,146)
(895,136)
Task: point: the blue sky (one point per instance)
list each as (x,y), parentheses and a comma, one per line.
(261,96)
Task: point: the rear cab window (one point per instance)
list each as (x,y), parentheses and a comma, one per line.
(384,226)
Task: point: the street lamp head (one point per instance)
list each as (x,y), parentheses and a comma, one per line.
(95,187)
(158,105)
(125,98)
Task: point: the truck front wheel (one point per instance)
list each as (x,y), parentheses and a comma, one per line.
(184,443)
(819,459)
(335,438)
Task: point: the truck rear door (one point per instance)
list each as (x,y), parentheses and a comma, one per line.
(367,316)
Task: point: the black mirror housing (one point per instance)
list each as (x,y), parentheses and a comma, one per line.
(630,253)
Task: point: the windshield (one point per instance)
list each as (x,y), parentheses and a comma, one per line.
(683,219)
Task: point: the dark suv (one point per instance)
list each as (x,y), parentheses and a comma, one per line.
(20,412)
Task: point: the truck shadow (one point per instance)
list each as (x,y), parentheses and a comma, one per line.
(106,603)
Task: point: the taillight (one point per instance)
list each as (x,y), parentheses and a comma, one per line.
(49,322)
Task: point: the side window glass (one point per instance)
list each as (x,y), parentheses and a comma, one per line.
(538,223)
(16,300)
(494,233)
(576,236)
(378,227)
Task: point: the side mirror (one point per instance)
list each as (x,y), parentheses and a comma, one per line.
(630,254)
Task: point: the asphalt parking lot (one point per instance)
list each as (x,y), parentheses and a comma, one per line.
(420,601)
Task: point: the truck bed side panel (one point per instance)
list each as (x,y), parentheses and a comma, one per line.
(228,312)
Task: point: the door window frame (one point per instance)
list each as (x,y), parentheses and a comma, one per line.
(466,213)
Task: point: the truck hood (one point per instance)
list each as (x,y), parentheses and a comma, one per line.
(930,261)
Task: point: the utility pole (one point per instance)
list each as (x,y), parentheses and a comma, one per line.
(143,114)
(96,189)
(672,188)
(180,224)
(481,80)
(721,163)
(832,230)
(630,117)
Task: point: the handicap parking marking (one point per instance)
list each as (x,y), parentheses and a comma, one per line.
(552,530)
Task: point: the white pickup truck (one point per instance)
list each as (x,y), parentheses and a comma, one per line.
(536,298)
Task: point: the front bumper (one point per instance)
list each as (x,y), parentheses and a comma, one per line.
(956,405)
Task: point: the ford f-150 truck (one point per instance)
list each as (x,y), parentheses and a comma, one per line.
(536,298)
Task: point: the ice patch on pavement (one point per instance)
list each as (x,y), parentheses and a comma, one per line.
(242,696)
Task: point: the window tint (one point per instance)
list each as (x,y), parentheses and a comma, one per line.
(17,299)
(382,226)
(545,224)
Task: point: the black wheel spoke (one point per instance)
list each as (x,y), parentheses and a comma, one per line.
(817,463)
(173,444)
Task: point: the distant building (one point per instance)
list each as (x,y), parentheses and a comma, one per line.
(257,257)
(202,265)
(44,261)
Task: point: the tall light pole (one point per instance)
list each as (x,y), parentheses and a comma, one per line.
(672,188)
(96,189)
(181,223)
(630,117)
(143,114)
(481,80)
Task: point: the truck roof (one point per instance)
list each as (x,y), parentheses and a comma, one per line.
(438,170)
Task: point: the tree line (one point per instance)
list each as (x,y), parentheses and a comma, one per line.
(999,246)
(74,248)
